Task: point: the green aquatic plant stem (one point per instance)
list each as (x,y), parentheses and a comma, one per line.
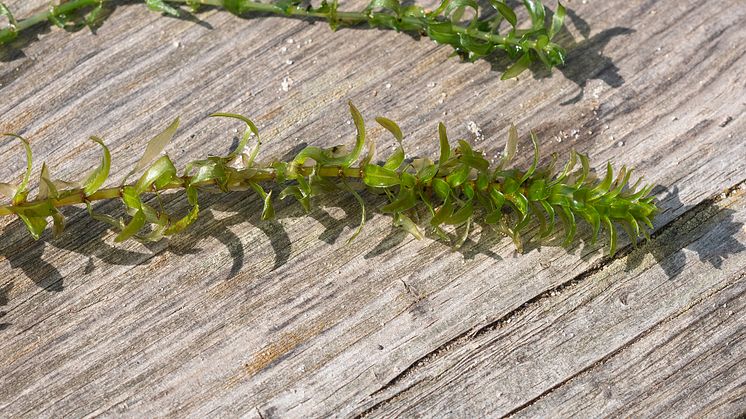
(77,196)
(458,189)
(471,38)
(345,18)
(267,174)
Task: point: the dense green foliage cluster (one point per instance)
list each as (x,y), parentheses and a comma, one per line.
(473,32)
(458,189)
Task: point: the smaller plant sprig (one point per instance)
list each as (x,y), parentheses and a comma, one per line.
(472,38)
(458,189)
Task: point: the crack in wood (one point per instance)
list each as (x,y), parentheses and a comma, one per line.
(618,351)
(469,335)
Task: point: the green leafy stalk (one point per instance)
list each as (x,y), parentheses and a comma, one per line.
(458,190)
(472,32)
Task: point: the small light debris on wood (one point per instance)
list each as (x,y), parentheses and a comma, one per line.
(286,83)
(474,129)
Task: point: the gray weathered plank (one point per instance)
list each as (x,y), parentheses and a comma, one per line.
(243,316)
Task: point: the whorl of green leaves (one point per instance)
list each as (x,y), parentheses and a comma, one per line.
(458,189)
(473,32)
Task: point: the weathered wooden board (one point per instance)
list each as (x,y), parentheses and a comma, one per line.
(240,316)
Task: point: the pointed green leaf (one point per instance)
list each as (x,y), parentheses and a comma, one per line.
(35,225)
(211,169)
(108,219)
(593,218)
(612,236)
(520,201)
(131,198)
(557,20)
(5,11)
(568,219)
(158,175)
(392,127)
(360,201)
(93,18)
(250,129)
(534,163)
(395,160)
(155,146)
(445,147)
(537,13)
(551,216)
(161,6)
(325,158)
(505,11)
(188,219)
(406,223)
(497,197)
(135,224)
(47,188)
(444,212)
(299,195)
(605,184)
(458,176)
(99,175)
(510,147)
(517,68)
(461,215)
(359,140)
(585,169)
(566,171)
(268,211)
(58,223)
(472,159)
(404,201)
(441,188)
(380,177)
(21,192)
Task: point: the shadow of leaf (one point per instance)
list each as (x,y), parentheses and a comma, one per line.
(585,61)
(684,233)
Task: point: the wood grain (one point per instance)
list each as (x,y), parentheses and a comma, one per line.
(243,317)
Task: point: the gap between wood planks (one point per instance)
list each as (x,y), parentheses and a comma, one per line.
(462,339)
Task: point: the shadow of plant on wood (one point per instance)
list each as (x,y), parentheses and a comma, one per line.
(686,232)
(4,291)
(74,22)
(585,60)
(86,236)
